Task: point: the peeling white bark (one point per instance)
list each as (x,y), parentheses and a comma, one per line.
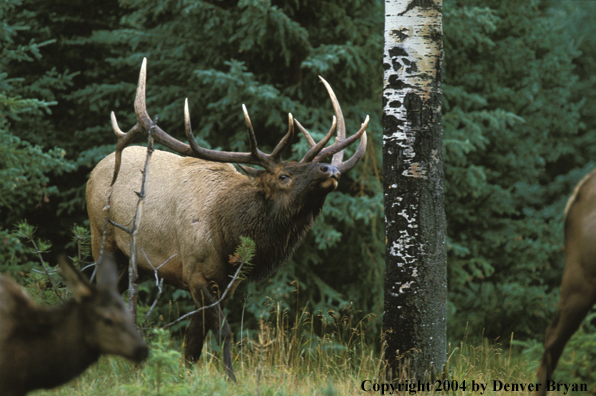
(411,31)
(412,153)
(410,60)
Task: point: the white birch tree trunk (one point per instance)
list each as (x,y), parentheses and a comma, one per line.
(415,309)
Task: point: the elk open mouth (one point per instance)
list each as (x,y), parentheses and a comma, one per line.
(330,184)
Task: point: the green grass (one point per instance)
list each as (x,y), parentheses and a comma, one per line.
(280,359)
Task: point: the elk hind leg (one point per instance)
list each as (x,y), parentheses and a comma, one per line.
(223,336)
(573,308)
(195,337)
(212,319)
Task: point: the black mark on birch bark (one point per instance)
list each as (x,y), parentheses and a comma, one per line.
(397,84)
(400,34)
(391,124)
(412,69)
(397,51)
(422,4)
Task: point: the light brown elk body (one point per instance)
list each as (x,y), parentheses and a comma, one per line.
(197,208)
(44,347)
(578,287)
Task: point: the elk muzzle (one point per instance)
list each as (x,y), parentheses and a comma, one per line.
(330,175)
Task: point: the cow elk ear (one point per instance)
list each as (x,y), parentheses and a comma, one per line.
(107,275)
(76,282)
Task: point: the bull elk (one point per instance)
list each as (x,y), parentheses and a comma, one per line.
(578,286)
(198,206)
(43,347)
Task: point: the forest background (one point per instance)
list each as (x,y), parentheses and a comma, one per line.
(518,115)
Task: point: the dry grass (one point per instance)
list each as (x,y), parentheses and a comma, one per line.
(285,359)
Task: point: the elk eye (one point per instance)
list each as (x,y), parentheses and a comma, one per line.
(107,321)
(284,178)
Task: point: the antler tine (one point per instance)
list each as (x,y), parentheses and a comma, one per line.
(312,153)
(124,139)
(265,160)
(189,135)
(146,122)
(287,139)
(140,103)
(309,139)
(117,131)
(251,133)
(341,124)
(350,163)
(340,145)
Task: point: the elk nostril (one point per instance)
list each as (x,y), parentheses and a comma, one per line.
(324,168)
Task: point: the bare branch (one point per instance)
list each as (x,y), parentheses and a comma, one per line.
(221,298)
(112,222)
(133,274)
(160,290)
(158,283)
(103,237)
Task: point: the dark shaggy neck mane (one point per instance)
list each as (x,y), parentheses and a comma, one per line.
(276,228)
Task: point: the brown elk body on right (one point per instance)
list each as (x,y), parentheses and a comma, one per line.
(44,347)
(578,286)
(198,206)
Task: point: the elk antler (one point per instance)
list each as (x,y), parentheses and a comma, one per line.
(255,157)
(315,148)
(318,154)
(144,123)
(286,141)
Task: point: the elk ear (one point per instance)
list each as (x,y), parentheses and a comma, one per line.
(107,275)
(248,171)
(76,282)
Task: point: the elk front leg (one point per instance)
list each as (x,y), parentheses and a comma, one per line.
(195,337)
(575,302)
(208,319)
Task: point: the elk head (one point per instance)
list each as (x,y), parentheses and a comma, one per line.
(108,325)
(44,347)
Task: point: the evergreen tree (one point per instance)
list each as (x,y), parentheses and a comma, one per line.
(511,127)
(576,19)
(25,168)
